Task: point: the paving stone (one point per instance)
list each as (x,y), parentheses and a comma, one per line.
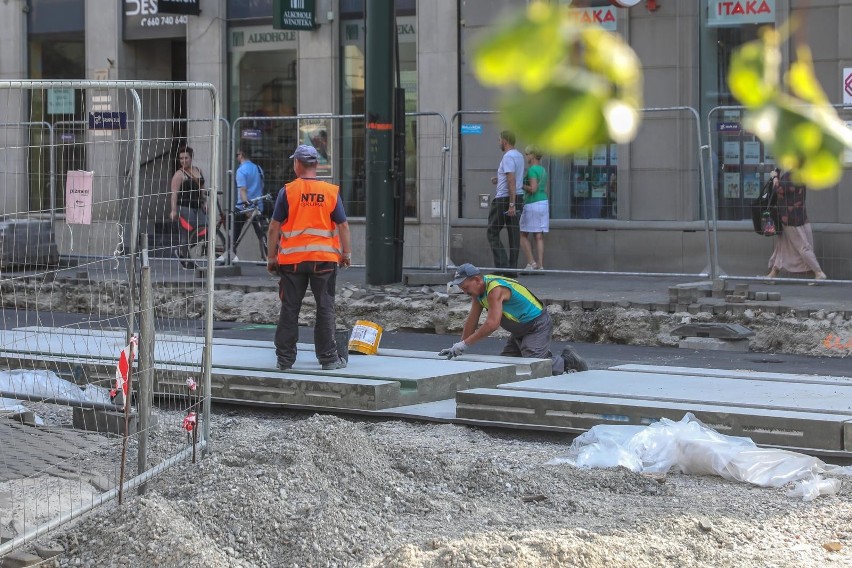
(20,559)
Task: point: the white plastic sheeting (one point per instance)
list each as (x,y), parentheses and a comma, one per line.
(692,448)
(44,385)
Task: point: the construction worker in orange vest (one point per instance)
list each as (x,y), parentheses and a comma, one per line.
(308,239)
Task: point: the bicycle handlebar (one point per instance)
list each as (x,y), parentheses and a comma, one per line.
(253,203)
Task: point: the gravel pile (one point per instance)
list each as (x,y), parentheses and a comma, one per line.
(298,490)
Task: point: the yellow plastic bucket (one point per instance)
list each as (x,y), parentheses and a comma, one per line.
(365,337)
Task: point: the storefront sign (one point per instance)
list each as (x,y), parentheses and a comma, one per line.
(110,120)
(847,85)
(261,38)
(727,13)
(143,20)
(471,128)
(294,15)
(727,127)
(250,134)
(190,7)
(60,101)
(603,16)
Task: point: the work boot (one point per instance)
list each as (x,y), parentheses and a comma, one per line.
(573,362)
(339,364)
(341,338)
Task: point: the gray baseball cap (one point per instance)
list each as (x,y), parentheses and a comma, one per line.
(464,272)
(305,154)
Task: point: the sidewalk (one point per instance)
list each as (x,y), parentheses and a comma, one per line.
(602,290)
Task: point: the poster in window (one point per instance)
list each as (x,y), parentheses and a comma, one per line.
(731,152)
(599,185)
(613,155)
(581,157)
(730,116)
(751,186)
(751,153)
(768,158)
(316,132)
(599,155)
(581,187)
(731,185)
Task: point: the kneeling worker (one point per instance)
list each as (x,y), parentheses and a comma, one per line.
(513,307)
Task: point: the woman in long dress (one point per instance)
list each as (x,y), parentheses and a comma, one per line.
(794,247)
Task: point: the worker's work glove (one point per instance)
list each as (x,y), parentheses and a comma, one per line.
(454,351)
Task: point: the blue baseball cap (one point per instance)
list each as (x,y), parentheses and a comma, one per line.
(305,154)
(464,272)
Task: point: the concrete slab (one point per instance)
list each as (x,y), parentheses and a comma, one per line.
(811,415)
(245,371)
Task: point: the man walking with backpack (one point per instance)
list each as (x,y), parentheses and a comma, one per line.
(249,181)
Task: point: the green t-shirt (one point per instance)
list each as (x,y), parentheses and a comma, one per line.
(536,172)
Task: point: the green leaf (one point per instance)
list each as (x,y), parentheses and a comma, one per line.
(747,74)
(522,53)
(561,120)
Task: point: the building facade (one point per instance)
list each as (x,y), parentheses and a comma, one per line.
(646,206)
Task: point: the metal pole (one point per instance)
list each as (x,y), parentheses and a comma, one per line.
(379,143)
(146,365)
(134,214)
(207,359)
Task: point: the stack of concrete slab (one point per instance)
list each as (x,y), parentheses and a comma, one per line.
(245,371)
(794,411)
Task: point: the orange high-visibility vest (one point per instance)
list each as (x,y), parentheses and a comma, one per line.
(309,234)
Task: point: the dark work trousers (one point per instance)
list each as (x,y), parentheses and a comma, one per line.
(497,220)
(532,339)
(294,282)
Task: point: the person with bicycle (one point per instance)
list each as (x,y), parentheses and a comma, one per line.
(308,239)
(188,204)
(249,180)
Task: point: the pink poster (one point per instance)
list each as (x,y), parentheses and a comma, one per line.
(78,197)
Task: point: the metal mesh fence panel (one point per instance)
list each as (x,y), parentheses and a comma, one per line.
(598,191)
(740,167)
(94,254)
(339,139)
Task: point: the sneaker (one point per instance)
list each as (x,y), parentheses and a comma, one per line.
(339,364)
(284,366)
(573,362)
(222,259)
(531,266)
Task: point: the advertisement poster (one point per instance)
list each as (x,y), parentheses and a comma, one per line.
(78,197)
(731,153)
(751,186)
(581,158)
(316,132)
(599,185)
(581,188)
(613,155)
(751,153)
(731,185)
(599,155)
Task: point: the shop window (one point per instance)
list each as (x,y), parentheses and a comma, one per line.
(740,164)
(263,83)
(352,135)
(55,57)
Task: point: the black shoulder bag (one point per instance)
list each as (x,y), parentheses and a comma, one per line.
(764,212)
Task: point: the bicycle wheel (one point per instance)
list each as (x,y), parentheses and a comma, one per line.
(197,249)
